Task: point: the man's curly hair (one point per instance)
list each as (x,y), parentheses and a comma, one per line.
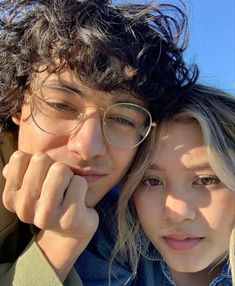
(137,48)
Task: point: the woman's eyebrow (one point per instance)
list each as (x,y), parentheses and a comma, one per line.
(155,167)
(196,166)
(200,166)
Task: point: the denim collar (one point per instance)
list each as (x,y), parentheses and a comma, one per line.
(147,250)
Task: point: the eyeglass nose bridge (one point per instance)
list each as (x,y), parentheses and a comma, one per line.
(82,117)
(94,107)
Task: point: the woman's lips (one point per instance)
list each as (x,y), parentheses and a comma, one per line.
(182,244)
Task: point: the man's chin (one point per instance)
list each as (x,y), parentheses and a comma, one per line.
(92,198)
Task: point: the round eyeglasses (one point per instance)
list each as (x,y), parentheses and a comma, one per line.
(124,125)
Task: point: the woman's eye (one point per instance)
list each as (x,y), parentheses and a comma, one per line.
(151,182)
(207,181)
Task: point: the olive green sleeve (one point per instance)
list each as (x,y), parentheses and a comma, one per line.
(32,269)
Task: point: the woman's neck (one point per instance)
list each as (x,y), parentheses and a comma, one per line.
(202,278)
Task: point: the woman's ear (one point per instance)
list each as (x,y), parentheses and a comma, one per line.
(16,118)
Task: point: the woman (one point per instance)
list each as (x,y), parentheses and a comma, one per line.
(184,198)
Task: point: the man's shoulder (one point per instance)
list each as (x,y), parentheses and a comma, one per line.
(8,145)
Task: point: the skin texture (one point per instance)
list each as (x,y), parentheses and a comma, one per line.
(54,181)
(185,211)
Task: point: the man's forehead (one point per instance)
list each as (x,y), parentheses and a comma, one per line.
(67,78)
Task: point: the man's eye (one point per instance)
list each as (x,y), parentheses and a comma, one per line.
(120,120)
(151,182)
(61,106)
(207,181)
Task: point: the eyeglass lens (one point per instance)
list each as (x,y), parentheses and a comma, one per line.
(125,125)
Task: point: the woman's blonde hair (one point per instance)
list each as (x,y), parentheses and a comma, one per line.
(214,110)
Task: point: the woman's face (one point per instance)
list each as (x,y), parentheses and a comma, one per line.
(185,211)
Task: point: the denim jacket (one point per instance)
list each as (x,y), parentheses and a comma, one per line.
(93,264)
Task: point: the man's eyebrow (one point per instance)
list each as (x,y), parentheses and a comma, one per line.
(63,85)
(132,101)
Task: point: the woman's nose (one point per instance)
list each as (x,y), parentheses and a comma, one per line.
(178,208)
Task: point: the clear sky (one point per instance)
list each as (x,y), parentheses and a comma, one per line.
(212,40)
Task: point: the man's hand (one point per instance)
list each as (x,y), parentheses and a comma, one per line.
(47,194)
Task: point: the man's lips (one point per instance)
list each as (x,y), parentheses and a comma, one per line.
(181,242)
(90,176)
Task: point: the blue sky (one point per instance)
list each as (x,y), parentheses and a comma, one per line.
(212,40)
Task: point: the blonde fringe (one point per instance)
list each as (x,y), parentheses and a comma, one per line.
(127,224)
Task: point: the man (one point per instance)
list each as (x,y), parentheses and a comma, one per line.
(78,79)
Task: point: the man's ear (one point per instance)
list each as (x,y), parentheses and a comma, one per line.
(16,118)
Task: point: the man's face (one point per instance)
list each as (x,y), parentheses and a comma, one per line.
(85,150)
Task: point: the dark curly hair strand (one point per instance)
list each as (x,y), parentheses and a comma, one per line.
(109,47)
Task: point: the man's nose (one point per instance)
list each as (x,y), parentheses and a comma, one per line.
(88,139)
(178,208)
